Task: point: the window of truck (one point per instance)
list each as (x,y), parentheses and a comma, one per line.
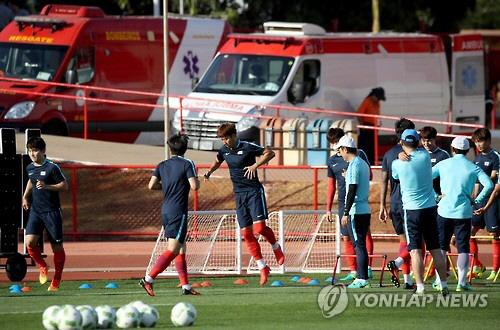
(246,74)
(306,81)
(83,62)
(27,61)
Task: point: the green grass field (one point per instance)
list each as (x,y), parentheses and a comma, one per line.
(229,306)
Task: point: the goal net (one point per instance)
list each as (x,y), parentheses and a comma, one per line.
(214,243)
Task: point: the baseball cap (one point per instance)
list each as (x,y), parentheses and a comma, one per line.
(409,135)
(345,141)
(461,143)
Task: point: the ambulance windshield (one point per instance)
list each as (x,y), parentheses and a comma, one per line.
(28,61)
(245,74)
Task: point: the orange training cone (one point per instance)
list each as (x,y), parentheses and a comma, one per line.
(206,284)
(241,281)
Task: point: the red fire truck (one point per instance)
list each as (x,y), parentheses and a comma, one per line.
(81,45)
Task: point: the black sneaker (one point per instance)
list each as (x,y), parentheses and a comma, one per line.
(147,286)
(191,292)
(391,265)
(408,286)
(445,292)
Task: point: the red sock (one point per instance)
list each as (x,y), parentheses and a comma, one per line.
(59,259)
(162,263)
(496,254)
(181,265)
(475,250)
(252,243)
(349,249)
(403,253)
(369,247)
(36,254)
(262,229)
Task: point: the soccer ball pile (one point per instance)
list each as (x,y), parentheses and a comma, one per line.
(183,314)
(67,317)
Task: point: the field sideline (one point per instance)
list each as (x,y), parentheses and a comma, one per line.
(229,306)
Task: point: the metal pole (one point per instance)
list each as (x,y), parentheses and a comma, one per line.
(156,8)
(165,73)
(376,17)
(181,7)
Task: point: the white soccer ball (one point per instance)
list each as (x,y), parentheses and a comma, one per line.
(183,314)
(49,317)
(127,317)
(148,315)
(89,316)
(69,318)
(106,317)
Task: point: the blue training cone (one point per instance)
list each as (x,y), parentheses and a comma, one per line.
(12,287)
(277,283)
(112,286)
(313,282)
(16,290)
(85,286)
(328,279)
(295,278)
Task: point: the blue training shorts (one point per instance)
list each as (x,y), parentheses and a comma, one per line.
(460,227)
(397,216)
(490,219)
(175,226)
(51,221)
(250,206)
(422,223)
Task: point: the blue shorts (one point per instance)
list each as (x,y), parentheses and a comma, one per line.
(490,219)
(422,223)
(397,216)
(51,221)
(175,226)
(460,227)
(343,230)
(250,206)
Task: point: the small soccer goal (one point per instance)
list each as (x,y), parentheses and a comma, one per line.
(214,243)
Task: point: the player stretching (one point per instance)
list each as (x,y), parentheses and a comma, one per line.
(396,212)
(419,204)
(174,176)
(45,182)
(488,160)
(336,168)
(458,176)
(251,209)
(357,213)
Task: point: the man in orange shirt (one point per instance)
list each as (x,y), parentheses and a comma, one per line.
(371,106)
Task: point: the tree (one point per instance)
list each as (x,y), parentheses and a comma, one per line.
(486,15)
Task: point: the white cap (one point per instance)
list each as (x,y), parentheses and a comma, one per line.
(461,143)
(345,141)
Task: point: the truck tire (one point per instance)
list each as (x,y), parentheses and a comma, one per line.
(55,128)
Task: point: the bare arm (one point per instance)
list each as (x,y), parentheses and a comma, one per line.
(494,195)
(27,192)
(194,182)
(383,196)
(61,186)
(215,165)
(154,183)
(251,171)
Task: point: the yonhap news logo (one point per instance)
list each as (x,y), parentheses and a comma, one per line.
(333,300)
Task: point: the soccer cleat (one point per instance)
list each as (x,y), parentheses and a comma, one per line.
(409,286)
(418,293)
(43,274)
(359,284)
(54,286)
(147,286)
(350,277)
(391,265)
(280,257)
(264,273)
(436,285)
(463,288)
(191,292)
(445,291)
(492,276)
(476,272)
(370,274)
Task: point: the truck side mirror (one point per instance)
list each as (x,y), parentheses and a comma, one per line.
(297,92)
(71,77)
(194,82)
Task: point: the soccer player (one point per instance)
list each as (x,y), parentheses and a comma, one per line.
(419,204)
(488,160)
(396,211)
(336,171)
(251,208)
(45,182)
(458,177)
(356,215)
(175,177)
